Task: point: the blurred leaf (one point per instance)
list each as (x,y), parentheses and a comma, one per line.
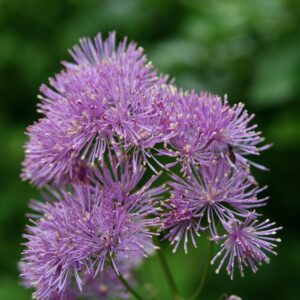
(285,130)
(276,79)
(9,290)
(177,52)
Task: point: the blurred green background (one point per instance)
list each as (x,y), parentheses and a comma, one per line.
(248,49)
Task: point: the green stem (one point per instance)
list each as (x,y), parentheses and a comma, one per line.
(168,274)
(198,291)
(125,282)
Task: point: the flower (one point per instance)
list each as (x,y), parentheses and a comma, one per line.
(79,233)
(111,97)
(179,221)
(104,118)
(205,127)
(189,144)
(105,285)
(246,243)
(213,194)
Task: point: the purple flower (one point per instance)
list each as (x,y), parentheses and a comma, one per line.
(190,145)
(246,244)
(180,221)
(121,177)
(83,229)
(49,154)
(104,118)
(210,195)
(111,97)
(206,126)
(107,285)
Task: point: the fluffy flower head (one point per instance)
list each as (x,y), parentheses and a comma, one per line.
(111,97)
(246,244)
(80,232)
(205,127)
(208,196)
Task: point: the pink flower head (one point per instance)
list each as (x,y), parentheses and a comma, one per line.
(246,244)
(111,97)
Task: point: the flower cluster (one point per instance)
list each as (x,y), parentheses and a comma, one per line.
(214,188)
(110,97)
(112,129)
(89,228)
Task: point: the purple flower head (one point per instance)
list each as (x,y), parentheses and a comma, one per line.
(210,195)
(50,155)
(104,118)
(206,126)
(190,145)
(246,243)
(82,230)
(111,97)
(122,178)
(228,128)
(180,221)
(30,278)
(107,285)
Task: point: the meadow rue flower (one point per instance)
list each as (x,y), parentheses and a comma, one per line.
(189,144)
(106,118)
(106,285)
(206,126)
(122,177)
(76,234)
(180,221)
(246,244)
(110,97)
(208,196)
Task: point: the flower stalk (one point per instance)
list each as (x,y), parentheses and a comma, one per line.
(168,274)
(199,290)
(126,284)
